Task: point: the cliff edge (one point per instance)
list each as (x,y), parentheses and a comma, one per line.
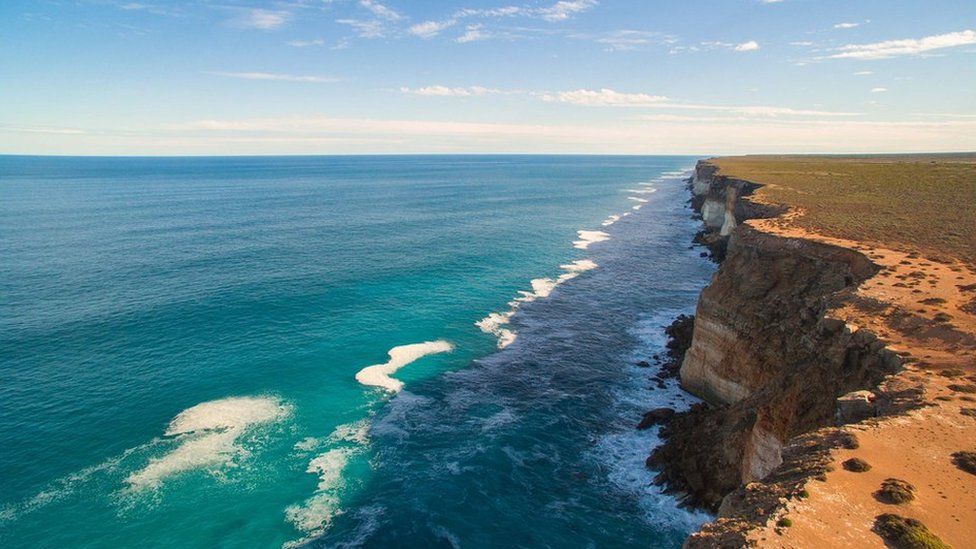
(806,345)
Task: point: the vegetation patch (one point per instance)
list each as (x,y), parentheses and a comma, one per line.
(965,461)
(908,202)
(895,492)
(856,465)
(784,522)
(906,533)
(962,388)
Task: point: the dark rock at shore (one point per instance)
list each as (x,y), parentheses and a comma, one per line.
(643,364)
(679,340)
(655,417)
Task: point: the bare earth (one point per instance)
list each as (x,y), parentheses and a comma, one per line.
(924,309)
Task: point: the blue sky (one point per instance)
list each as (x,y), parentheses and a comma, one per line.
(568,76)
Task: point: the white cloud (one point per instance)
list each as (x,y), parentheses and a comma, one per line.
(564,9)
(473,33)
(751,45)
(610,98)
(626,40)
(770,1)
(863,73)
(909,46)
(603,98)
(878,90)
(41,129)
(804,43)
(444,91)
(380,10)
(278,77)
(260,19)
(846,25)
(430,29)
(305,43)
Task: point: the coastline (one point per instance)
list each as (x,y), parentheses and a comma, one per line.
(797,371)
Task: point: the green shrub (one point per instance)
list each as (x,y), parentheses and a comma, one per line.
(965,461)
(784,522)
(895,492)
(906,533)
(856,465)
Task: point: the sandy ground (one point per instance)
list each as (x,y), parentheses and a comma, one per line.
(925,311)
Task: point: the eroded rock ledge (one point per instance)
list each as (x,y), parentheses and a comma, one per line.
(767,360)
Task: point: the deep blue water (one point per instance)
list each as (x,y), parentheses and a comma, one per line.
(180,338)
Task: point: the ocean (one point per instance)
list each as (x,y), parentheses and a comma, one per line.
(372,351)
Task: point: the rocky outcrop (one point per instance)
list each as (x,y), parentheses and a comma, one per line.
(716,199)
(764,356)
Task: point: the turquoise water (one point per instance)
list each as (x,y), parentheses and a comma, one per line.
(180,339)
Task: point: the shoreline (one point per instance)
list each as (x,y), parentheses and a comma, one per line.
(778,417)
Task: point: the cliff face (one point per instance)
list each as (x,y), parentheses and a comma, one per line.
(763,355)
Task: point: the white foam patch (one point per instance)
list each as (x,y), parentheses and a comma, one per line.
(208,435)
(677,173)
(589,237)
(647,190)
(315,514)
(378,375)
(610,220)
(637,199)
(625,214)
(637,207)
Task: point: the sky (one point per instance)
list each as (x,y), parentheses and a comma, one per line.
(230,77)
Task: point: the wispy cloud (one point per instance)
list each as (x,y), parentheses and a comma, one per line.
(372,28)
(603,98)
(905,47)
(564,9)
(445,91)
(628,40)
(278,77)
(611,98)
(430,29)
(878,90)
(42,129)
(474,33)
(863,73)
(381,10)
(305,43)
(846,25)
(260,19)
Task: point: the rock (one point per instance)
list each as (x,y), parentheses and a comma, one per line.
(643,364)
(655,417)
(831,325)
(855,406)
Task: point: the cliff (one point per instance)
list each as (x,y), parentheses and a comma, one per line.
(765,356)
(786,354)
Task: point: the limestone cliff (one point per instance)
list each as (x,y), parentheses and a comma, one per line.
(764,356)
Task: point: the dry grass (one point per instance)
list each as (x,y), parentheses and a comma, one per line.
(923,203)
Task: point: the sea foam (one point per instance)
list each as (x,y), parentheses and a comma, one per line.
(496,324)
(315,514)
(589,237)
(378,375)
(207,436)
